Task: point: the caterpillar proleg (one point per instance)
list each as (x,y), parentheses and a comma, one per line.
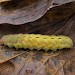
(37,41)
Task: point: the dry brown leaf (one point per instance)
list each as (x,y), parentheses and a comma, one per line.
(34,10)
(61,21)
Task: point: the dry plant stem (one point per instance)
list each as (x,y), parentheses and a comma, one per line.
(36,72)
(11,58)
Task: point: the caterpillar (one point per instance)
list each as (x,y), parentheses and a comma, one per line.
(37,41)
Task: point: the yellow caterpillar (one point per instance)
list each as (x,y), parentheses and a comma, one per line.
(37,41)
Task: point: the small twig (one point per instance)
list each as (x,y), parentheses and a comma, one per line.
(11,58)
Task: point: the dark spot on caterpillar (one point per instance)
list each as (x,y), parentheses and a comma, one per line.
(37,37)
(52,38)
(59,38)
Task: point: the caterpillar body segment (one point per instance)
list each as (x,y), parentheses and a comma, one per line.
(37,41)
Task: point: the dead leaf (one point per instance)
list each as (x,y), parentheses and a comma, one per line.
(6,68)
(34,10)
(58,20)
